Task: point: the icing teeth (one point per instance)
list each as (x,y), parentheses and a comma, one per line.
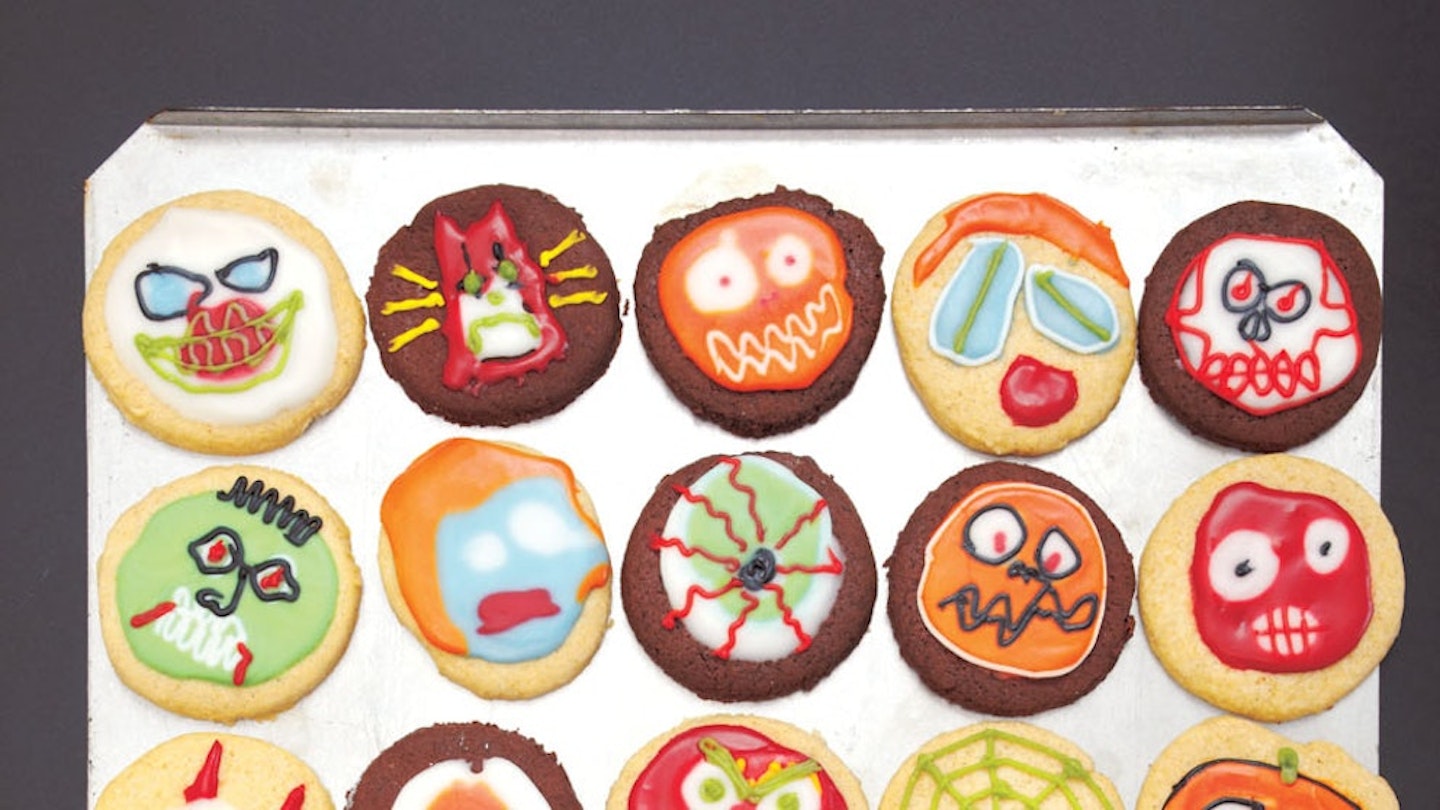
(802,334)
(1287,631)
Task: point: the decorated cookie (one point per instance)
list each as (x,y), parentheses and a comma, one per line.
(734,762)
(748,577)
(223,322)
(1014,322)
(495,306)
(1226,763)
(464,765)
(1010,591)
(215,772)
(1003,764)
(759,313)
(1272,587)
(227,594)
(492,555)
(1260,325)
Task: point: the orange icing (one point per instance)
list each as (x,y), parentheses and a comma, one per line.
(454,476)
(1255,782)
(467,796)
(1024,215)
(594,579)
(1042,648)
(772,315)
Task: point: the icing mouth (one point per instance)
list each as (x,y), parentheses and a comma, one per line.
(1036,394)
(1257,377)
(799,337)
(232,346)
(1286,631)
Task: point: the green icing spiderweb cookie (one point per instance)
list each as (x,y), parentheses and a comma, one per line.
(994,765)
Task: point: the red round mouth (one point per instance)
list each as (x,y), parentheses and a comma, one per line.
(1034,394)
(227,341)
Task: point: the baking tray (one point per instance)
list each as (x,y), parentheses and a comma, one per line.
(359,175)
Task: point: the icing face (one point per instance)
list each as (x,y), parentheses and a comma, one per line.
(732,768)
(1231,784)
(1265,323)
(1280,580)
(225,316)
(202,793)
(499,318)
(748,560)
(232,587)
(757,299)
(1014,580)
(454,785)
(493,553)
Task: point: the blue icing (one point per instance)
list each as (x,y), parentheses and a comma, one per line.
(480,552)
(1055,323)
(985,338)
(165,292)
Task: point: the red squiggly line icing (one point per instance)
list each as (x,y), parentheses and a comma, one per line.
(751,499)
(695,590)
(787,616)
(709,507)
(244,666)
(728,563)
(800,522)
(832,567)
(733,632)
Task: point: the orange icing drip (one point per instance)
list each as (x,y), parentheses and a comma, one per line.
(1042,646)
(594,579)
(1024,215)
(454,476)
(1255,782)
(467,796)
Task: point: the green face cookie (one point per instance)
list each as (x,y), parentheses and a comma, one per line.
(230,586)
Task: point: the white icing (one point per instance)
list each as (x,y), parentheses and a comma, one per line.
(801,333)
(1322,345)
(508,339)
(486,552)
(537,527)
(1327,543)
(203,241)
(1247,551)
(510,784)
(722,279)
(693,794)
(789,260)
(209,640)
(709,620)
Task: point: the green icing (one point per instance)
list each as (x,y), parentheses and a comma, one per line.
(1066,777)
(162,354)
(476,343)
(159,568)
(782,500)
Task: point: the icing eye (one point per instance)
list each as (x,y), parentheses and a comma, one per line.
(274,582)
(1243,565)
(789,260)
(1234,804)
(167,292)
(1327,544)
(706,786)
(973,316)
(1243,287)
(216,552)
(1070,310)
(801,794)
(1286,302)
(722,279)
(250,273)
(995,534)
(1056,555)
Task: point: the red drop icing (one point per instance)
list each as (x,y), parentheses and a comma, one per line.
(295,800)
(207,781)
(272,579)
(221,340)
(503,610)
(1034,394)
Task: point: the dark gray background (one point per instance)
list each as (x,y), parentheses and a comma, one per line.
(78,76)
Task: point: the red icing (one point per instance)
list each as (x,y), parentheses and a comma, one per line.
(458,253)
(244,665)
(229,356)
(207,781)
(1334,607)
(1034,394)
(141,619)
(295,800)
(658,787)
(503,610)
(273,579)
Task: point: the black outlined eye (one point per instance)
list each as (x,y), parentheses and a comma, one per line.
(274,582)
(1287,301)
(1056,557)
(250,273)
(994,534)
(167,292)
(1243,565)
(1327,544)
(1244,287)
(217,552)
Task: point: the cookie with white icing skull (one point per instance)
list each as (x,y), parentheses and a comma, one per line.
(1013,317)
(1272,587)
(223,322)
(1260,325)
(215,772)
(748,577)
(1010,590)
(759,313)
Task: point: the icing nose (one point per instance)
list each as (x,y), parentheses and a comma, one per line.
(1035,394)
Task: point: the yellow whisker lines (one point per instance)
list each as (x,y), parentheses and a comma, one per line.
(583,271)
(401,340)
(401,271)
(571,240)
(430,301)
(587,297)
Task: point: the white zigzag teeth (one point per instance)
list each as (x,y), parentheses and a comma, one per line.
(782,344)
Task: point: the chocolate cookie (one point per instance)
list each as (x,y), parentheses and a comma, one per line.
(1010,591)
(468,765)
(1260,325)
(748,577)
(759,313)
(494,307)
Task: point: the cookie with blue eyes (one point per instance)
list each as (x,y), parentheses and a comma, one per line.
(1014,321)
(223,322)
